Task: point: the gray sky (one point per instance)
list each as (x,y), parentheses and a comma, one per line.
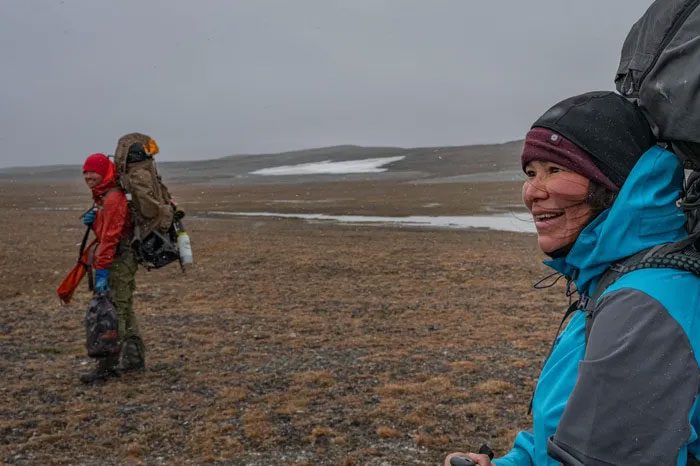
(212,78)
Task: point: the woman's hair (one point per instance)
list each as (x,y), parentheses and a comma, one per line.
(599,198)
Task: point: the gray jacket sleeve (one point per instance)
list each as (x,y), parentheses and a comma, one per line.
(635,387)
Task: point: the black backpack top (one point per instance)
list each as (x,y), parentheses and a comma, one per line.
(659,69)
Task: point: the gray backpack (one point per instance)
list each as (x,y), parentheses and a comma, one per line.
(660,70)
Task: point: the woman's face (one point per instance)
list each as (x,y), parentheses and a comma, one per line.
(557,199)
(92,179)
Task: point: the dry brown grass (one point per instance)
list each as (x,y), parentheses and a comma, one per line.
(317,379)
(494,387)
(433,441)
(464,366)
(387,432)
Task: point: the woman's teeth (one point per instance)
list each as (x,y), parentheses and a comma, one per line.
(544,217)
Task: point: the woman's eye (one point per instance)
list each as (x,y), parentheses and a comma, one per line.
(555,169)
(530,173)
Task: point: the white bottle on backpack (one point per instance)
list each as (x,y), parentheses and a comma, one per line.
(183,244)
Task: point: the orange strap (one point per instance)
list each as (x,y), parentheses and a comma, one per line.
(71,281)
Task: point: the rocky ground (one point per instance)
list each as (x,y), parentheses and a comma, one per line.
(287,342)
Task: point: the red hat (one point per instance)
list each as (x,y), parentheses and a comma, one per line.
(549,146)
(98,163)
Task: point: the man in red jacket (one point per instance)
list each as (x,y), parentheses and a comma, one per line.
(114,263)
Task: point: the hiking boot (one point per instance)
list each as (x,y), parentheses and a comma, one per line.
(132,357)
(102,371)
(131,367)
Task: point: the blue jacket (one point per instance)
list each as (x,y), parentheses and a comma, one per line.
(627,396)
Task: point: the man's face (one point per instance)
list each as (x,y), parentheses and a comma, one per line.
(92,179)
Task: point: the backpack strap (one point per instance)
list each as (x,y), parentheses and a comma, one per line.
(680,255)
(86,266)
(610,276)
(135,226)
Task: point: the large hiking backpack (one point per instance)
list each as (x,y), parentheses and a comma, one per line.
(154,239)
(659,71)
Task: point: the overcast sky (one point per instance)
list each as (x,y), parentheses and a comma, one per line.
(213,78)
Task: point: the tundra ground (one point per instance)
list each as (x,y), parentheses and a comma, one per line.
(287,342)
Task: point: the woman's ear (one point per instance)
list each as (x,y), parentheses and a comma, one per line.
(600,197)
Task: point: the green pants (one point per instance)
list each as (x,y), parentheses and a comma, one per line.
(122,282)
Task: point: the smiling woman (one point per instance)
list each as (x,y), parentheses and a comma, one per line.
(556,197)
(620,383)
(564,189)
(569,183)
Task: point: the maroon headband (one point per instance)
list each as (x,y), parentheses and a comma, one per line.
(548,146)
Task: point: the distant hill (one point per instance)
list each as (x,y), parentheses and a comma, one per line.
(422,164)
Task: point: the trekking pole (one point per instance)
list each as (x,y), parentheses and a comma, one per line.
(461,461)
(83,243)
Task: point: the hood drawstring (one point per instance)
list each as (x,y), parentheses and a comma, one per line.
(571,289)
(541,285)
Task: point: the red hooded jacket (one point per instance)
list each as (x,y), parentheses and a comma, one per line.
(112,224)
(112,221)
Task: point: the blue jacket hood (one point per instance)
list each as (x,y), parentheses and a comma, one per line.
(643,215)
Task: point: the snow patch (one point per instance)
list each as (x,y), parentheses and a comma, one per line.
(331,168)
(515,222)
